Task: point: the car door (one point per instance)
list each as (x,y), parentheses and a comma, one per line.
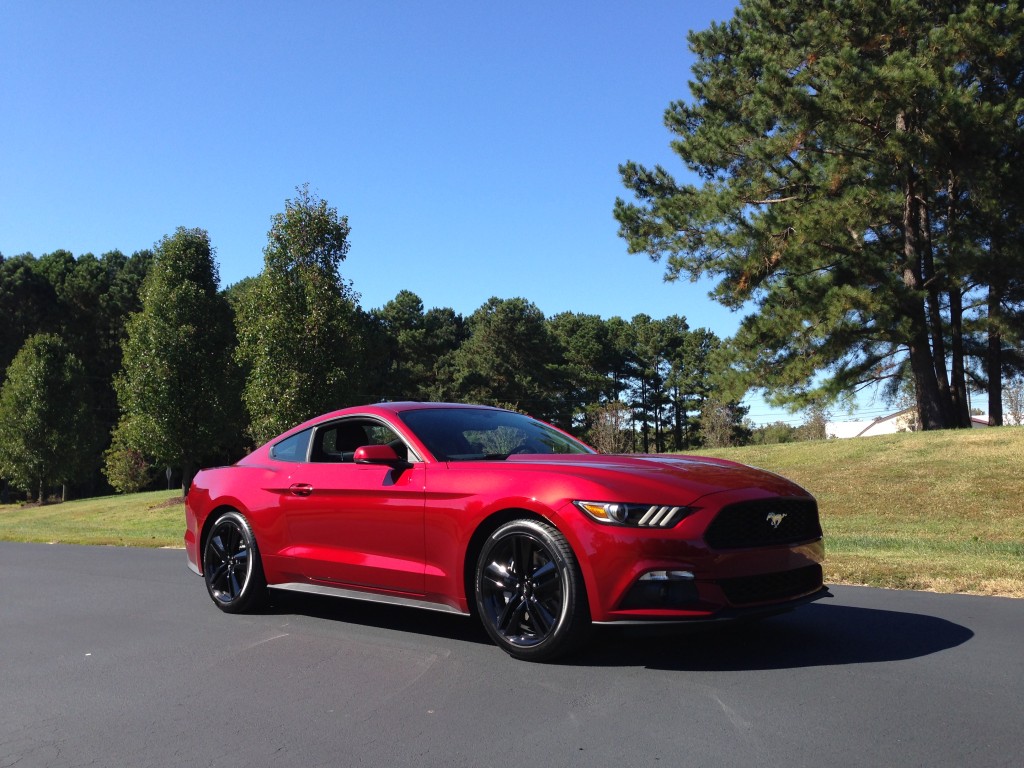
(356,525)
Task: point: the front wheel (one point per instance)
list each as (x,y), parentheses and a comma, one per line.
(529,591)
(231,565)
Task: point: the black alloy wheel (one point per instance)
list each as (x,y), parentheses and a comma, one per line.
(529,591)
(231,565)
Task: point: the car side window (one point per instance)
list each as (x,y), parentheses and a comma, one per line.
(294,448)
(338,442)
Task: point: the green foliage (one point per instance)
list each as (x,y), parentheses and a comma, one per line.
(46,432)
(847,159)
(412,349)
(588,368)
(298,323)
(815,424)
(776,433)
(178,390)
(28,305)
(124,465)
(508,358)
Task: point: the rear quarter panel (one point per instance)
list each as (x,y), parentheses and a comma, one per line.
(248,489)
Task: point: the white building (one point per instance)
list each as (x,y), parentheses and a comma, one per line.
(900,421)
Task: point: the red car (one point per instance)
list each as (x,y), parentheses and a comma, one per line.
(478,510)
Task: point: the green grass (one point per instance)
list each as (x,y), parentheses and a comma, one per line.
(155,519)
(941,511)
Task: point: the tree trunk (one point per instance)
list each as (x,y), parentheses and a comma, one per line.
(961,404)
(922,363)
(936,330)
(994,358)
(961,401)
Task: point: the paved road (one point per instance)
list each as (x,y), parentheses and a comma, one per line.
(116,657)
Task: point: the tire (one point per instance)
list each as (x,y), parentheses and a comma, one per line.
(529,591)
(231,565)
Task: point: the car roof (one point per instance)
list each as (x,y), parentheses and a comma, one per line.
(396,407)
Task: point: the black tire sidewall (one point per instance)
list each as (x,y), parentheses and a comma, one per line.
(573,619)
(254,589)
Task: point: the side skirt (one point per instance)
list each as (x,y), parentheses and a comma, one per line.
(368,597)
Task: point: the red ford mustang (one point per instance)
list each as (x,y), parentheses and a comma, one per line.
(471,509)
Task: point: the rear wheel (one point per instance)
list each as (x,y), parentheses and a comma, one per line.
(529,591)
(232,567)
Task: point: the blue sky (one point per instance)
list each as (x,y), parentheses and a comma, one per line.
(473,146)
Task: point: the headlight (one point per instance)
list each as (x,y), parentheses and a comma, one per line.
(633,515)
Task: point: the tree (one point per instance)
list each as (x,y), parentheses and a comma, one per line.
(815,424)
(776,433)
(178,389)
(611,429)
(1013,399)
(846,154)
(647,376)
(298,323)
(28,305)
(95,297)
(46,434)
(722,424)
(587,362)
(508,358)
(447,330)
(402,353)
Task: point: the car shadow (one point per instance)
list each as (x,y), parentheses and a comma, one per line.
(814,635)
(380,615)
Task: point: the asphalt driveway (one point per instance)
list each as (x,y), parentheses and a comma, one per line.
(116,657)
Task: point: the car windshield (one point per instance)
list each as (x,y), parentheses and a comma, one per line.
(482,434)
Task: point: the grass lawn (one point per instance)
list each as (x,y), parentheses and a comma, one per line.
(940,511)
(154,519)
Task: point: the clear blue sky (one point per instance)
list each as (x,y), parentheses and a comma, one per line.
(474,146)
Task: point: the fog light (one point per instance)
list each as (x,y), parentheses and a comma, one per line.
(667,576)
(662,589)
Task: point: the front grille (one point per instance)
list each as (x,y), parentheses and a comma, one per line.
(748,590)
(764,522)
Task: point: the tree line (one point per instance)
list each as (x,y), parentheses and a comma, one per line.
(117,367)
(855,178)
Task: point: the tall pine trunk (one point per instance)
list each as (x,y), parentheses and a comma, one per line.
(932,282)
(994,357)
(961,406)
(930,411)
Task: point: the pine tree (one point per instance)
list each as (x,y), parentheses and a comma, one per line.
(846,157)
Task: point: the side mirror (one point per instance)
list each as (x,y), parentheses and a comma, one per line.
(379,454)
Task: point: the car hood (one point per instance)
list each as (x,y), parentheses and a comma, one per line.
(669,473)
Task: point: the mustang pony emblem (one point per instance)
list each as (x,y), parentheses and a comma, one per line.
(775,518)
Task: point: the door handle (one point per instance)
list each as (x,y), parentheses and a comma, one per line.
(301,489)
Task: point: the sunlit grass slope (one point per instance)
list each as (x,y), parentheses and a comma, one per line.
(136,520)
(937,510)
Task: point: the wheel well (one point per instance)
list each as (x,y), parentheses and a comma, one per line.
(476,543)
(207,525)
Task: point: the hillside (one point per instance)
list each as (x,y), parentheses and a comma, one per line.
(933,510)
